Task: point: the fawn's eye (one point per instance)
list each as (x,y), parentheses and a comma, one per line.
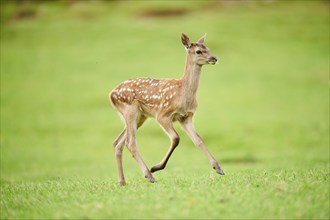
(198,52)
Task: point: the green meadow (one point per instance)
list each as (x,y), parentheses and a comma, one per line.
(263,110)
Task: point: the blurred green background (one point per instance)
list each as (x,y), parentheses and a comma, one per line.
(263,109)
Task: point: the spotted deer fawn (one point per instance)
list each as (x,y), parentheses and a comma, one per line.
(166,100)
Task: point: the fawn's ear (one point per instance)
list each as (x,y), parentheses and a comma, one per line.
(202,39)
(185,40)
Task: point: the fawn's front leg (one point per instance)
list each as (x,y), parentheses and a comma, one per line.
(188,126)
(167,125)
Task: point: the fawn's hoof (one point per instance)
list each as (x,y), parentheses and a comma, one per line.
(153,169)
(152,180)
(220,172)
(122,183)
(156,168)
(150,177)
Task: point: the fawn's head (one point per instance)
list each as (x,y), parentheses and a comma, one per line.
(198,52)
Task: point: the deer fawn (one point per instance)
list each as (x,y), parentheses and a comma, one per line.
(166,100)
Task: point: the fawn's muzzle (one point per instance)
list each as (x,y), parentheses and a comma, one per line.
(213,60)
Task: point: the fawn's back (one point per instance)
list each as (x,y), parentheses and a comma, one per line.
(151,96)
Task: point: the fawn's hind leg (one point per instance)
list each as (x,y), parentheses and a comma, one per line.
(132,119)
(118,148)
(118,145)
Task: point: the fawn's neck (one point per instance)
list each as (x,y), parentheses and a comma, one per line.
(190,79)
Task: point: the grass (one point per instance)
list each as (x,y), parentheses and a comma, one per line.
(242,194)
(263,110)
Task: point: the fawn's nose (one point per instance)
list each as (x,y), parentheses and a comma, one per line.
(214,59)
